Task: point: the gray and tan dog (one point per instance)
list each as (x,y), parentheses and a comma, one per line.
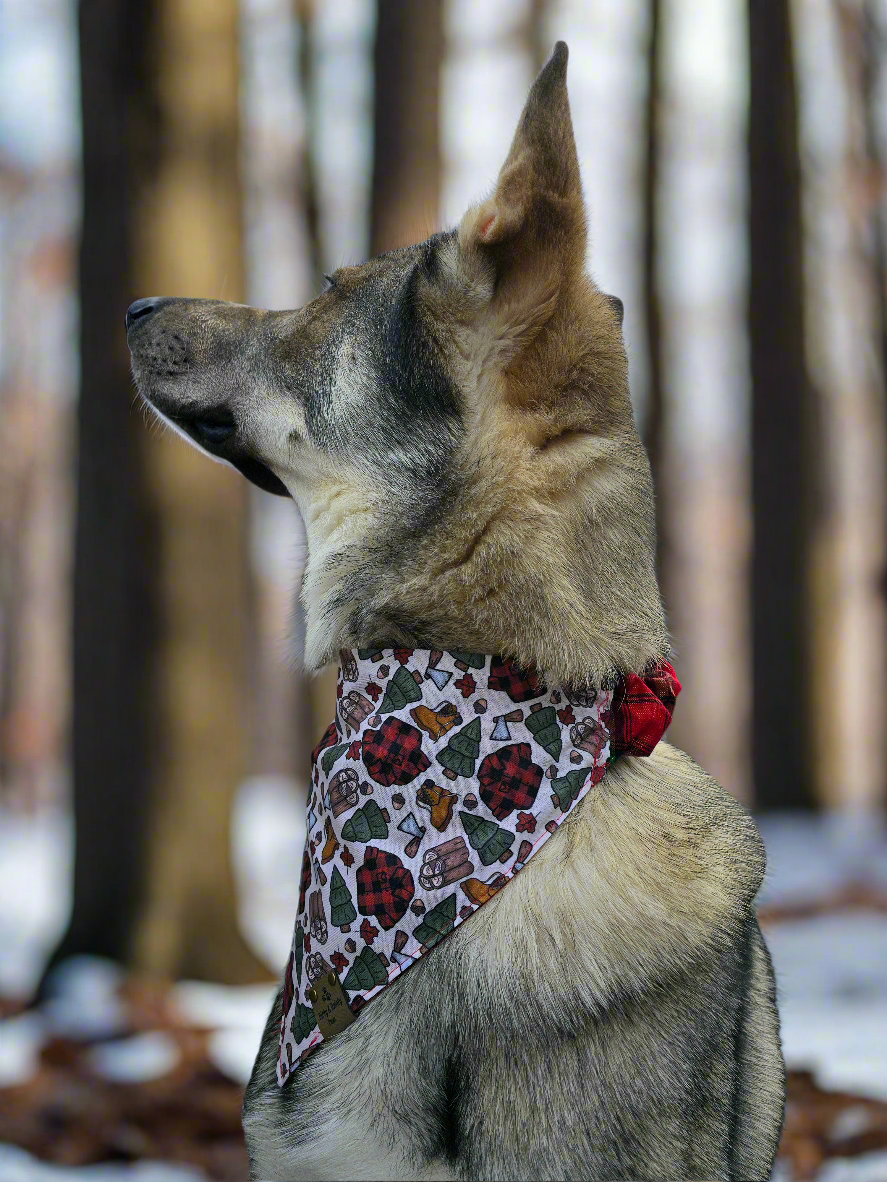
(453,421)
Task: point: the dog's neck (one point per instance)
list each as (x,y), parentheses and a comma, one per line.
(573,593)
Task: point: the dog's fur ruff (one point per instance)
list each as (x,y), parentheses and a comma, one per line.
(453,421)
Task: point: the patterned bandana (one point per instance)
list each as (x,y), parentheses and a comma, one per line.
(441,776)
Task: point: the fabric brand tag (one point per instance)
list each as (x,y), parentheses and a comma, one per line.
(330,1005)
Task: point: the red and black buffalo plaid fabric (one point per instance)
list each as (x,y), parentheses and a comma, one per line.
(305,881)
(289,990)
(385,887)
(509,780)
(393,754)
(642,710)
(330,738)
(520,684)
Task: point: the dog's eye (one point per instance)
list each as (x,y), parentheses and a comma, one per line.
(330,282)
(214,429)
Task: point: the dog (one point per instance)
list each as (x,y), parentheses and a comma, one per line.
(453,421)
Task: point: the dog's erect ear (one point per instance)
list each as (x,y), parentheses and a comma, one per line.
(530,234)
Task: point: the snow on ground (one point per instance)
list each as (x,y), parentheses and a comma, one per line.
(831,970)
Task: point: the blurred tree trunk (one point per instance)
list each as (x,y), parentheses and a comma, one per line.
(406,147)
(782,420)
(308,170)
(538,42)
(188,242)
(653,426)
(317,698)
(405,192)
(873,45)
(874,69)
(161,587)
(114,622)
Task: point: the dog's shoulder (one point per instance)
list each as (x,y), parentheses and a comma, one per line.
(669,818)
(654,872)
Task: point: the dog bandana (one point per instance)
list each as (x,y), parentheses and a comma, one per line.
(440,777)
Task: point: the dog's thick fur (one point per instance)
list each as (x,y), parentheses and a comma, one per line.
(453,420)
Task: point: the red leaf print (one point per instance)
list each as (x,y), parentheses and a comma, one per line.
(374,690)
(402,655)
(307,942)
(566,715)
(466,684)
(368,932)
(354,750)
(312,847)
(338,961)
(347,856)
(340,689)
(526,823)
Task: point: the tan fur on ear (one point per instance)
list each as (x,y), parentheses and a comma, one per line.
(532,229)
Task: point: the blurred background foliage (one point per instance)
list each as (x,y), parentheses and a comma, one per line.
(733,154)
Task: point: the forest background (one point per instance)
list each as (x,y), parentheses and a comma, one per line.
(733,157)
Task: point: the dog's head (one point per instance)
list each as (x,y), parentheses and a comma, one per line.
(453,421)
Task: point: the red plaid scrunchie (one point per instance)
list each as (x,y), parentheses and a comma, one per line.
(642,709)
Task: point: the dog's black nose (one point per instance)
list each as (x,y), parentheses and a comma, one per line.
(139,310)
